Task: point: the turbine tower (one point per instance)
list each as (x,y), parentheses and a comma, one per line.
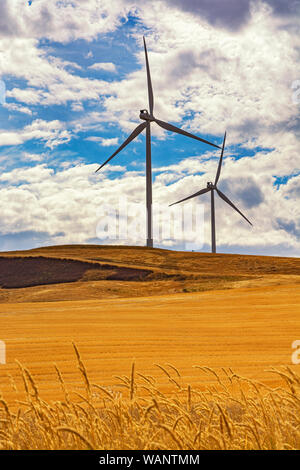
(148,118)
(212,187)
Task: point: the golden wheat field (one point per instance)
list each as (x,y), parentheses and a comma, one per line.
(135,414)
(210,337)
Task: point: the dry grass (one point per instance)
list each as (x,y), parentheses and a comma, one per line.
(81,272)
(249,330)
(236,414)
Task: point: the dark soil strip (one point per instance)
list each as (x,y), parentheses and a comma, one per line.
(38,270)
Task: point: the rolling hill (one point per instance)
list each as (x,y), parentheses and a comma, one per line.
(120,304)
(82,272)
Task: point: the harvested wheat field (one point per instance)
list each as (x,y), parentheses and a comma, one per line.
(233,314)
(238,414)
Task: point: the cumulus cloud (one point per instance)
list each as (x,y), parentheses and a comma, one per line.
(290,226)
(233,14)
(49,80)
(60,21)
(104,142)
(214,66)
(29,175)
(212,75)
(55,198)
(246,190)
(106,66)
(18,108)
(33,157)
(52,133)
(214,78)
(292,188)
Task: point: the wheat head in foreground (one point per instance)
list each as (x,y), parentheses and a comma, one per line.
(237,413)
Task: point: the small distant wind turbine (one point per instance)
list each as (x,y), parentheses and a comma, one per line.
(213,187)
(148,118)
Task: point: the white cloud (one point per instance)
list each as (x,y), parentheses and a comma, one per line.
(221,80)
(107,66)
(214,78)
(48,79)
(33,157)
(109,142)
(235,80)
(104,142)
(54,200)
(77,106)
(52,133)
(33,175)
(61,21)
(18,108)
(27,95)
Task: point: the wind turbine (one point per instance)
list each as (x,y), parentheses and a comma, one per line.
(213,187)
(148,117)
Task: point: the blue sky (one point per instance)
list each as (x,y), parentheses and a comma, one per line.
(75,82)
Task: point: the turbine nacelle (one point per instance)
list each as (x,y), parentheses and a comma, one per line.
(210,185)
(144,114)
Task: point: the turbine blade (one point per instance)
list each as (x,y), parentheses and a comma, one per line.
(149,83)
(132,136)
(220,161)
(225,198)
(170,127)
(198,193)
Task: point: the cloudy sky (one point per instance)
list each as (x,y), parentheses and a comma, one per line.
(74,73)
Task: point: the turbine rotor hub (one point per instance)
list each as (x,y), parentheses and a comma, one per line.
(144,114)
(210,185)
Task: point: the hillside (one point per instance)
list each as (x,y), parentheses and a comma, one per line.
(184,309)
(82,272)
